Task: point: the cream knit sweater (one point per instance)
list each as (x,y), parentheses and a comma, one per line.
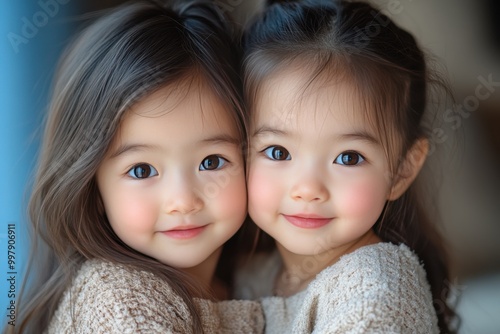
(111,298)
(381,288)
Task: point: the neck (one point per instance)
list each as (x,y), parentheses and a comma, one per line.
(299,270)
(204,272)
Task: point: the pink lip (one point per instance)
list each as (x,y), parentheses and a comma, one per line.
(307,220)
(184,232)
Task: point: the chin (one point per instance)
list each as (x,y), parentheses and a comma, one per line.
(184,264)
(300,249)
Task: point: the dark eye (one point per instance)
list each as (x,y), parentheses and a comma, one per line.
(213,162)
(349,159)
(277,153)
(142,171)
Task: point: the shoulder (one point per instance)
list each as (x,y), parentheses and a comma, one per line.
(381,286)
(381,262)
(119,283)
(113,298)
(103,275)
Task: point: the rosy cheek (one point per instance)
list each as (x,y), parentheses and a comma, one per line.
(363,201)
(231,200)
(133,213)
(263,191)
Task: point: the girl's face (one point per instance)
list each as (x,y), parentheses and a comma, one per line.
(318,174)
(173,182)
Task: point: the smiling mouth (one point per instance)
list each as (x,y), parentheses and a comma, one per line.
(185,232)
(307,221)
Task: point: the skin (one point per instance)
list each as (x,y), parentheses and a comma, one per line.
(173,182)
(313,155)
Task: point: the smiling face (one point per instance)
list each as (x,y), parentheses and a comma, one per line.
(317,179)
(172,182)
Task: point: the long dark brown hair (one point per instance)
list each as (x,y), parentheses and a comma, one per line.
(353,41)
(121,57)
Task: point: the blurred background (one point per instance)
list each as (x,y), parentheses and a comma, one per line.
(464,36)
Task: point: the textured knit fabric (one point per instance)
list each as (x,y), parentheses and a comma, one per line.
(111,298)
(381,288)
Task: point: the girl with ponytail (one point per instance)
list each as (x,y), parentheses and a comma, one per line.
(337,95)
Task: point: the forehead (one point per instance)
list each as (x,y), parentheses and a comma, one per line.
(293,96)
(191,99)
(177,115)
(191,90)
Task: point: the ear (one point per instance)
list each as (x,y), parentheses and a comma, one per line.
(409,168)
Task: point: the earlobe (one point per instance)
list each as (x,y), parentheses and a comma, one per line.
(409,168)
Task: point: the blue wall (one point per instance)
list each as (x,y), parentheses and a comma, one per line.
(32,35)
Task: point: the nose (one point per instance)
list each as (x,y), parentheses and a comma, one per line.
(309,189)
(182,198)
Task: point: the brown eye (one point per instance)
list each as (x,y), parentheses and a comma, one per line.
(349,159)
(142,171)
(212,162)
(277,153)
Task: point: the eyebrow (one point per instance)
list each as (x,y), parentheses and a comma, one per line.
(221,139)
(357,135)
(218,139)
(266,130)
(131,148)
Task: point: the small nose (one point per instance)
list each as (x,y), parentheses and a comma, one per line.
(309,189)
(183,199)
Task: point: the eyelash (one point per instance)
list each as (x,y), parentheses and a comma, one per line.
(146,168)
(269,152)
(270,155)
(132,171)
(224,162)
(359,159)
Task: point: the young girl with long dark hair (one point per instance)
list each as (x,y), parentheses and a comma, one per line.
(141,178)
(337,95)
